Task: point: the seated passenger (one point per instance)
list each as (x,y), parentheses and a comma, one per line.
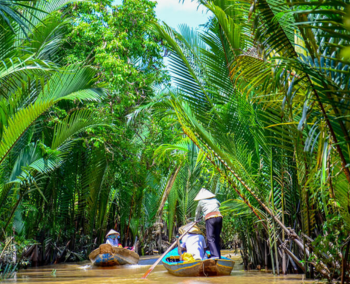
(193,242)
(112,238)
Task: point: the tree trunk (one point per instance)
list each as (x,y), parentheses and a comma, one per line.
(344,263)
(12,212)
(266,260)
(167,190)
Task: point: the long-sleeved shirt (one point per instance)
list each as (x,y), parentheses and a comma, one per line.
(206,206)
(195,245)
(112,242)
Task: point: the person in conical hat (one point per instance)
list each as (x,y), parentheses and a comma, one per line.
(208,206)
(193,242)
(194,230)
(112,238)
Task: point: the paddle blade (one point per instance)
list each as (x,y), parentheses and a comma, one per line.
(148,272)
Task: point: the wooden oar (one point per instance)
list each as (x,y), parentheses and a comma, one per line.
(169,249)
(179,249)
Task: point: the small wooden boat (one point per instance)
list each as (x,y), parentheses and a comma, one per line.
(208,267)
(106,255)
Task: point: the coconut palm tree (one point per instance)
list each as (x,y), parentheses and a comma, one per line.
(269,108)
(32,82)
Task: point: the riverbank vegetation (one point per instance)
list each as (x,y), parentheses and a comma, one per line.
(96,134)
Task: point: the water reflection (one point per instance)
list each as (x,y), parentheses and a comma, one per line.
(84,273)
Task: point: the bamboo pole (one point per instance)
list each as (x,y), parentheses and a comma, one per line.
(266,267)
(271,253)
(284,260)
(273,209)
(275,245)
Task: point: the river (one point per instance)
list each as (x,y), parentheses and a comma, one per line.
(83,272)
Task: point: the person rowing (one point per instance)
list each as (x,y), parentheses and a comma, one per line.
(112,238)
(209,206)
(193,242)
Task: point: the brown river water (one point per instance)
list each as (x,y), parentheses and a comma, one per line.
(83,272)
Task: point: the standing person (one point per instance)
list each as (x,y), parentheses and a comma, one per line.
(112,238)
(209,206)
(193,242)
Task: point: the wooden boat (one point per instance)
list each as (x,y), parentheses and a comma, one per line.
(107,255)
(208,267)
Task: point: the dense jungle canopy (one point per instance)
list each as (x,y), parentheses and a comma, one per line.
(96,132)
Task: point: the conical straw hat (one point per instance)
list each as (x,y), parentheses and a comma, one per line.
(194,229)
(112,232)
(204,194)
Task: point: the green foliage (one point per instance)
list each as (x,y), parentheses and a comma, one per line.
(7,271)
(263,92)
(70,163)
(119,41)
(92,138)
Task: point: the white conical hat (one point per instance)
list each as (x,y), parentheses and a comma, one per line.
(112,232)
(194,230)
(204,194)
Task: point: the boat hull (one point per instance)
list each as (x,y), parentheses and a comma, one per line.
(208,267)
(110,256)
(108,259)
